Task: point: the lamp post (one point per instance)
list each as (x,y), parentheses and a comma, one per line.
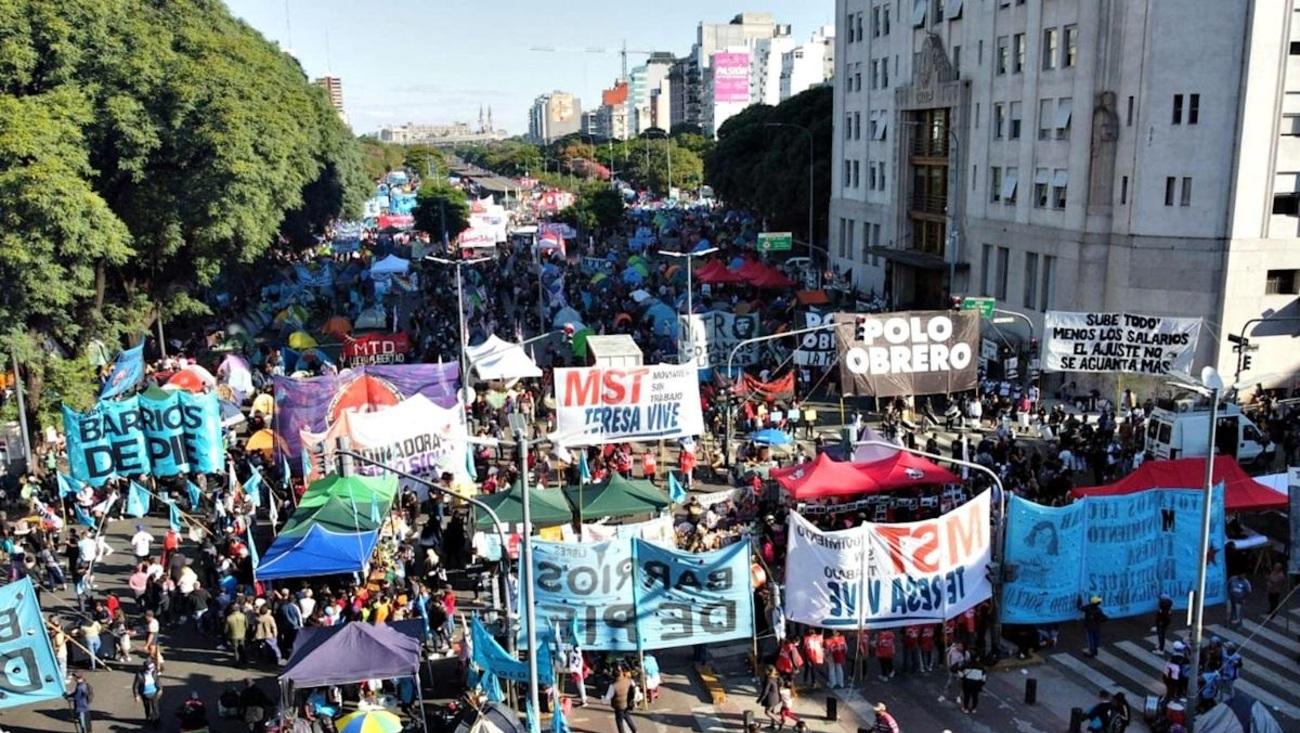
(999,537)
(811,177)
(460,310)
(668,148)
(690,303)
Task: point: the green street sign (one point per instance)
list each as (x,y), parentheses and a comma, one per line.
(775,242)
(984,305)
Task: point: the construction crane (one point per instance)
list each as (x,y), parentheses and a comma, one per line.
(622,51)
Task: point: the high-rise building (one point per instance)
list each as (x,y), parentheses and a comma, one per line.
(643,82)
(1077,156)
(808,64)
(553,116)
(333,87)
(765,74)
(699,105)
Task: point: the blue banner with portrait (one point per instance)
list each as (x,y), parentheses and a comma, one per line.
(127,372)
(30,673)
(1127,550)
(145,435)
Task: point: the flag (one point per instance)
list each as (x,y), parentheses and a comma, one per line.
(174,517)
(676,491)
(195,496)
(252,548)
(533,726)
(253,487)
(273,509)
(284,472)
(289,358)
(492,687)
(469,464)
(558,723)
(127,372)
(83,517)
(68,486)
(573,631)
(306,463)
(137,500)
(584,471)
(374,510)
(47,515)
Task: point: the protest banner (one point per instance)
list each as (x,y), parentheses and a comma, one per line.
(163,436)
(127,372)
(611,405)
(816,349)
(316,403)
(907,353)
(709,338)
(30,673)
(658,531)
(595,265)
(1118,342)
(1126,549)
(888,575)
(629,594)
(376,348)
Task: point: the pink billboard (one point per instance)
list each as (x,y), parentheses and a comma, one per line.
(730,77)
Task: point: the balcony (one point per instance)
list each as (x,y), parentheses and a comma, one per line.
(929,204)
(929,148)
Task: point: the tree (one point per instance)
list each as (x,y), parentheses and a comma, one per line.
(379,158)
(437,204)
(425,161)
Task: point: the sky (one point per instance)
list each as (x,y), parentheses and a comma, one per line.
(436,61)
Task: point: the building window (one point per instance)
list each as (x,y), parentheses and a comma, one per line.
(974,176)
(1282,282)
(1193,108)
(986,271)
(875,237)
(857,81)
(857,179)
(1286,204)
(848,175)
(1019,44)
(956,60)
(1004,264)
(857,125)
(844,232)
(1071,48)
(871,176)
(1049,49)
(848,126)
(1178,109)
(995,184)
(885,17)
(1171,184)
(1041,180)
(866,242)
(1290,125)
(1064,112)
(979,53)
(1013,132)
(1128,118)
(849,239)
(882,175)
(999,120)
(1031,279)
(1004,50)
(1046,119)
(1123,190)
(1009,186)
(976,119)
(1185,195)
(875,22)
(848,38)
(1060,184)
(1047,290)
(1294,48)
(860,36)
(938,10)
(919,8)
(884,73)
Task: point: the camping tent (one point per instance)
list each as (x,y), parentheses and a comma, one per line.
(822,478)
(616,496)
(493,717)
(546,506)
(903,470)
(390,265)
(339,655)
(315,552)
(343,503)
(1242,493)
(500,359)
(1240,713)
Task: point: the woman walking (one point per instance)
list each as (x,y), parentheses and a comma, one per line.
(770,698)
(147,689)
(972,683)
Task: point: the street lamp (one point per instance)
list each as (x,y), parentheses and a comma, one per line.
(690,303)
(460,310)
(808,132)
(668,146)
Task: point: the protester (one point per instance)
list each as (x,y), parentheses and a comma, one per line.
(622,696)
(1093,617)
(147,690)
(81,697)
(884,722)
(972,683)
(1239,589)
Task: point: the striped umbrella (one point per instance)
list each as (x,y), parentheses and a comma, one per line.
(369,721)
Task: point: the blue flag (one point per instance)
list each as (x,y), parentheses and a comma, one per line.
(492,687)
(195,496)
(558,723)
(306,463)
(533,725)
(584,471)
(676,491)
(128,370)
(469,464)
(137,500)
(284,471)
(68,486)
(573,631)
(253,487)
(40,678)
(289,358)
(174,517)
(252,548)
(82,517)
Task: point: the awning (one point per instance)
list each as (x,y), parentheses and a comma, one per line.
(918,12)
(338,655)
(1061,179)
(1241,492)
(1008,191)
(1064,108)
(822,478)
(1042,175)
(916,258)
(954,9)
(882,125)
(497,359)
(903,470)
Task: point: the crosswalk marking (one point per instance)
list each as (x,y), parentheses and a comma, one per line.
(1288,643)
(1098,679)
(1128,670)
(1259,651)
(706,721)
(1268,698)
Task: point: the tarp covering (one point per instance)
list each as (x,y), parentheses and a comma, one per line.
(315,552)
(716,273)
(616,496)
(344,504)
(390,265)
(354,652)
(547,507)
(497,358)
(821,478)
(1241,492)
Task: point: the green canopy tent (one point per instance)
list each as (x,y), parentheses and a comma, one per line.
(547,507)
(616,497)
(344,504)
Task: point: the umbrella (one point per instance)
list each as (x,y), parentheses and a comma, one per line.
(192,378)
(369,721)
(261,440)
(598,277)
(771,436)
(301,340)
(632,276)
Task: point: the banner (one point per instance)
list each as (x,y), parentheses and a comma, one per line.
(887,575)
(491,657)
(593,265)
(731,77)
(628,593)
(1118,342)
(175,434)
(395,221)
(128,370)
(376,348)
(30,673)
(907,353)
(1126,549)
(316,403)
(781,388)
(710,337)
(611,405)
(816,349)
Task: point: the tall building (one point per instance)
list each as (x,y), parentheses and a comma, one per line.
(1074,155)
(553,116)
(696,82)
(643,82)
(765,73)
(333,87)
(808,64)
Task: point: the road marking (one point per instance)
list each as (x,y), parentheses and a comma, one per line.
(1290,644)
(1129,671)
(706,721)
(1081,668)
(1268,698)
(1258,651)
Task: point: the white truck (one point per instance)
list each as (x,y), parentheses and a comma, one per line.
(1180,429)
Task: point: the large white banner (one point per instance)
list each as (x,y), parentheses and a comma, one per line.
(887,575)
(611,405)
(710,337)
(1118,342)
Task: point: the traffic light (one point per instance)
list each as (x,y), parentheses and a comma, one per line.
(1245,362)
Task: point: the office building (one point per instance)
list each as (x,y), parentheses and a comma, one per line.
(643,83)
(808,64)
(333,87)
(553,116)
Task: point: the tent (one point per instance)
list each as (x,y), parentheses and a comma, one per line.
(337,327)
(663,320)
(1242,493)
(343,503)
(354,652)
(547,507)
(616,496)
(493,717)
(567,316)
(317,551)
(390,265)
(496,358)
(715,273)
(904,470)
(822,478)
(301,340)
(1240,713)
(263,440)
(772,279)
(371,318)
(771,436)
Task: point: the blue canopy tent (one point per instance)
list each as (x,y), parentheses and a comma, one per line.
(632,276)
(663,319)
(771,436)
(701,245)
(316,552)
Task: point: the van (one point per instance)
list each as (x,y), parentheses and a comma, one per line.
(1180,429)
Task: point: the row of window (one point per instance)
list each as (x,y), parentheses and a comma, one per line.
(879,24)
(852,177)
(1053,119)
(848,238)
(879,126)
(1060,50)
(1051,186)
(1039,283)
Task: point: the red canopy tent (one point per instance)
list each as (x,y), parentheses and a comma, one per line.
(823,477)
(1242,493)
(904,470)
(716,273)
(771,278)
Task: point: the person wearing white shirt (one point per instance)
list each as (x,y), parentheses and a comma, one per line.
(140,542)
(306,603)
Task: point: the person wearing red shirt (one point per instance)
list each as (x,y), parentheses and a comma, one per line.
(837,652)
(648,466)
(912,649)
(171,543)
(687,465)
(885,654)
(814,654)
(927,648)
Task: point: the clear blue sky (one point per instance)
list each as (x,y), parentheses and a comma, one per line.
(436,61)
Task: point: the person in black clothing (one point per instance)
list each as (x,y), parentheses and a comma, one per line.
(1099,717)
(1164,616)
(1123,714)
(255,706)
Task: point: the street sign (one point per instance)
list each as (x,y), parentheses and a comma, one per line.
(775,242)
(984,305)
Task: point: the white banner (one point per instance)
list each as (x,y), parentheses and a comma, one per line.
(710,337)
(612,405)
(887,575)
(817,348)
(1118,342)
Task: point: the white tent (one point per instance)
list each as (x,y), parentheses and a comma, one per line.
(497,359)
(390,265)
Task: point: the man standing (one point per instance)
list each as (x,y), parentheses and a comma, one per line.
(1164,616)
(622,697)
(266,634)
(81,697)
(237,632)
(147,689)
(1238,591)
(1093,616)
(140,543)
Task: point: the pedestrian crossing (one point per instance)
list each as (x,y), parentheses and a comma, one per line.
(1270,652)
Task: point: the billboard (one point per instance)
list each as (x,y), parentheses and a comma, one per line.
(730,77)
(908,353)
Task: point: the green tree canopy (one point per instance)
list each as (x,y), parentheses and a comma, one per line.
(436,204)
